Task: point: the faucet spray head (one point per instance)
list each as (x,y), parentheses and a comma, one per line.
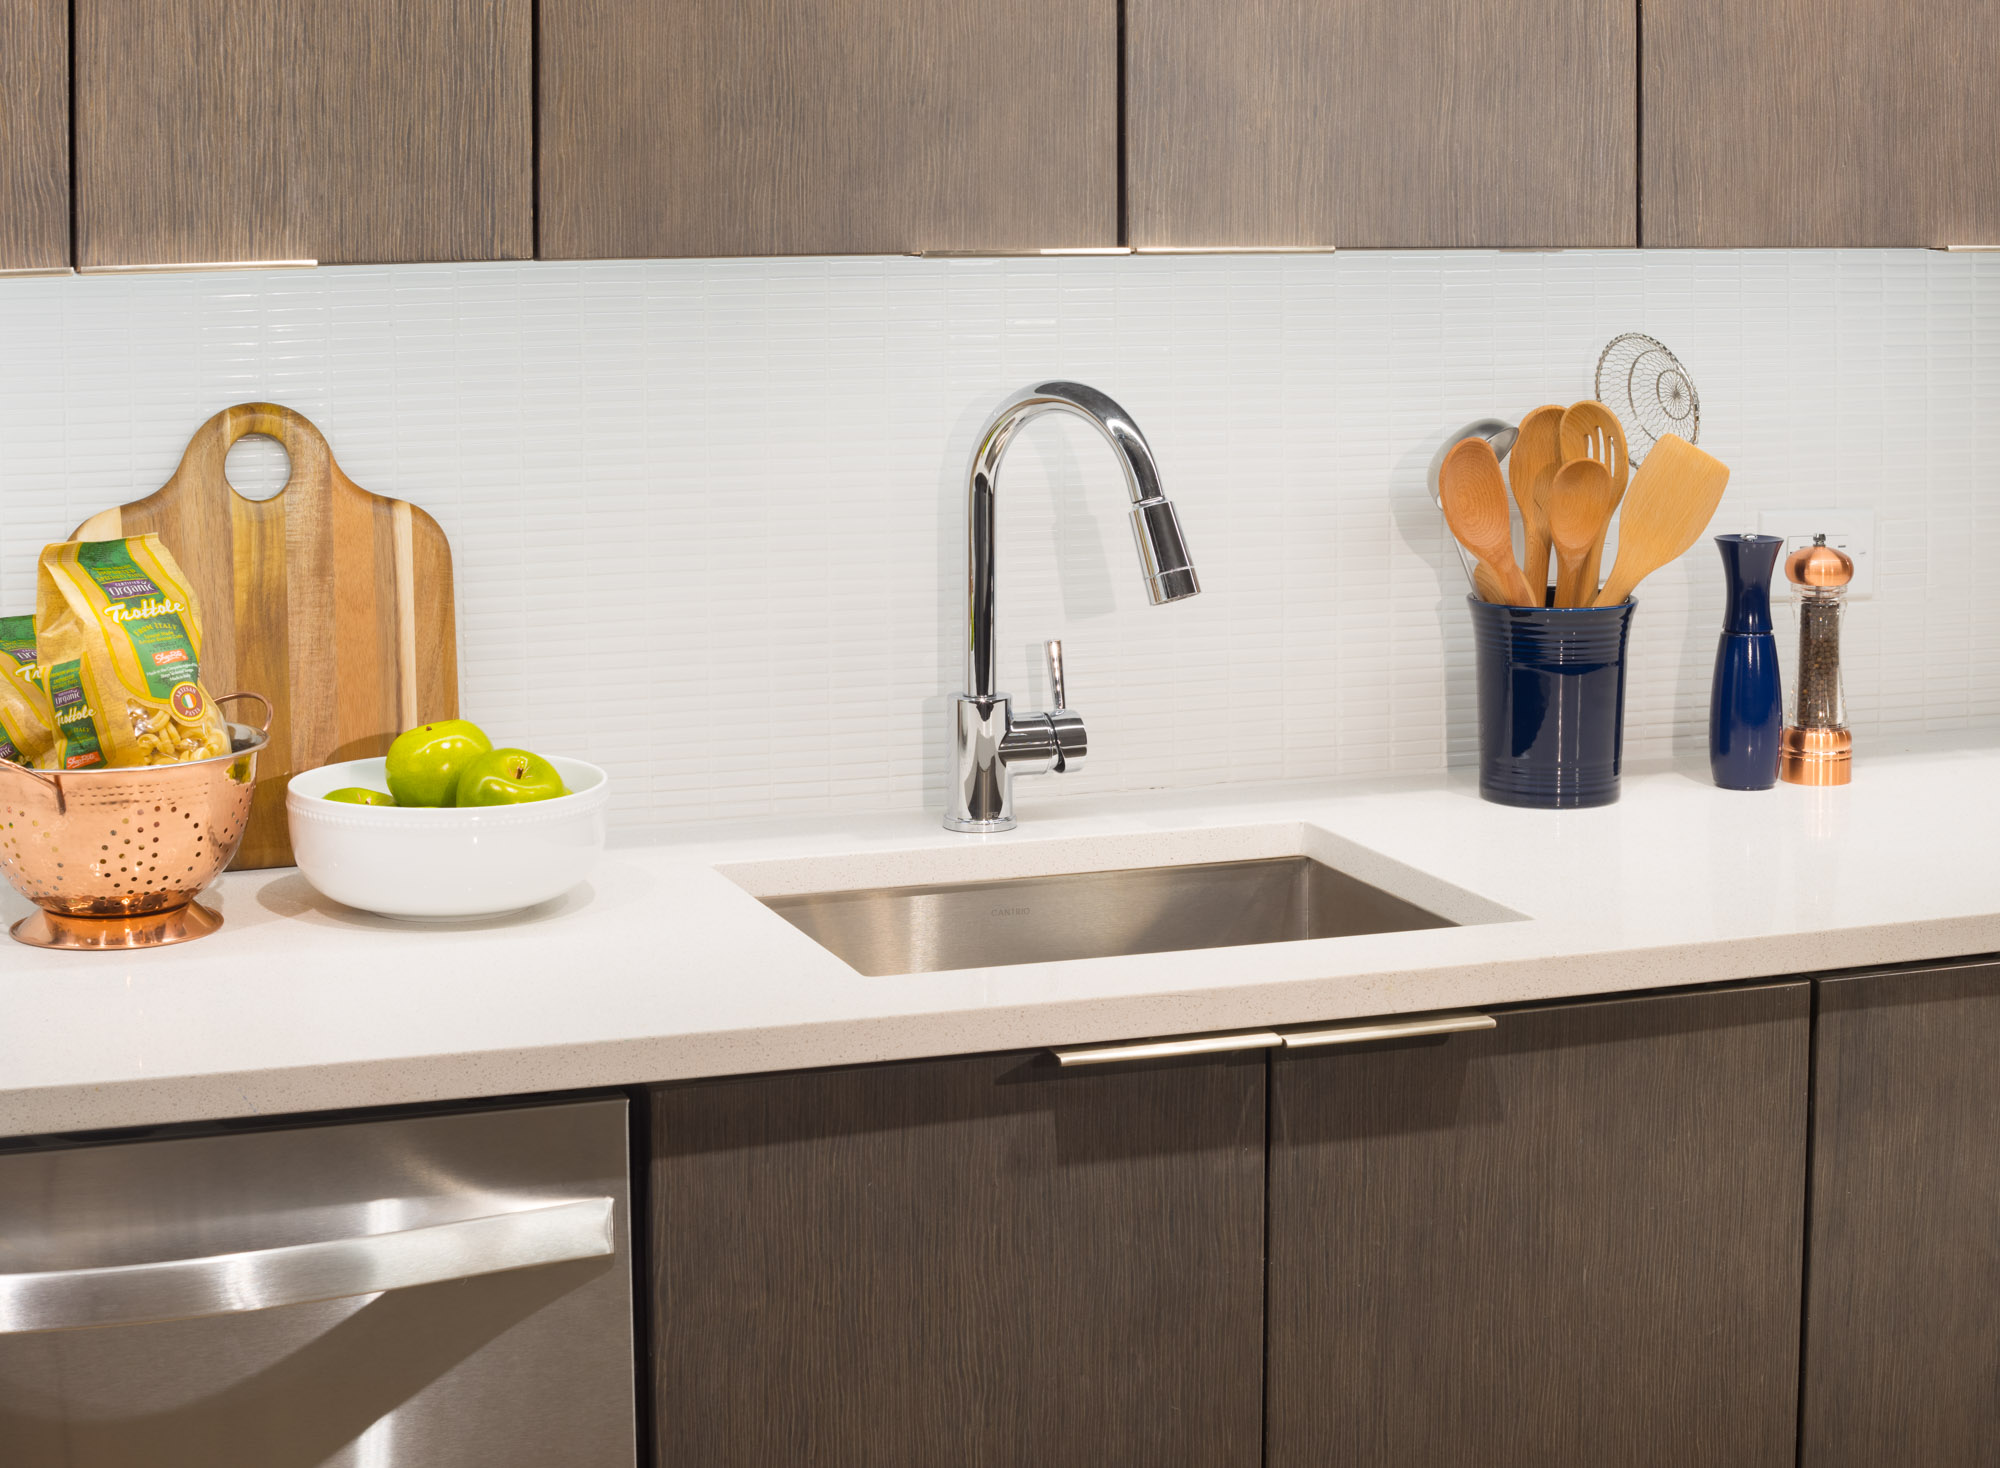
(1163,554)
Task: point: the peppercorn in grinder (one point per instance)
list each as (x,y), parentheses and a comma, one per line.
(1815,747)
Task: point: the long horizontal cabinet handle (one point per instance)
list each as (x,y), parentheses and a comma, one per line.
(1348,1034)
(1163,1049)
(1394,1029)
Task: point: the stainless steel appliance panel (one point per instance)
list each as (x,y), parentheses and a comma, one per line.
(241,1254)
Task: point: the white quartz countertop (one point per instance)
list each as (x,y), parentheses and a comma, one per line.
(667,966)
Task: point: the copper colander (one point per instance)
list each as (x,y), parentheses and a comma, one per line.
(115,858)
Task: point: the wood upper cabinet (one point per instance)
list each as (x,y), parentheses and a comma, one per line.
(1381,123)
(985,1263)
(356,131)
(34,134)
(1810,123)
(1574,1239)
(774,127)
(1902,1350)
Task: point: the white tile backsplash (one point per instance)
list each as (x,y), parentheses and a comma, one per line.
(708,515)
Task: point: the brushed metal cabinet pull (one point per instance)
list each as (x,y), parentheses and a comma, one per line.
(1399,1029)
(1162,1049)
(297,1274)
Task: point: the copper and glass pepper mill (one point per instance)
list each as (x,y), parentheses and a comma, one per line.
(1815,748)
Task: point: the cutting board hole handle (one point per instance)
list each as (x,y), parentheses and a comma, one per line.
(257,466)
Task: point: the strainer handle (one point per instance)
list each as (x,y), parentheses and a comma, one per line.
(52,781)
(270,713)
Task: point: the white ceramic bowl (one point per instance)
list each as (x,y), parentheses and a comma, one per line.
(449,862)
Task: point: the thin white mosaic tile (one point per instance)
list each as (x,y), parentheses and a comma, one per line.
(708,514)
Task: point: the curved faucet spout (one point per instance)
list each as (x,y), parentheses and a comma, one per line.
(989,744)
(1163,556)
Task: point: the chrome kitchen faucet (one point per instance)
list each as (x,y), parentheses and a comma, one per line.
(989,746)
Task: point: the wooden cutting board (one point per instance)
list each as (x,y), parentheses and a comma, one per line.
(334,603)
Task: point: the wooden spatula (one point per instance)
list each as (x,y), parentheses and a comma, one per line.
(1579,501)
(1536,457)
(1592,431)
(1475,507)
(1672,499)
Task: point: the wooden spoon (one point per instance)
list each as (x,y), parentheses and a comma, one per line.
(1579,501)
(1592,431)
(1475,507)
(1672,499)
(1536,457)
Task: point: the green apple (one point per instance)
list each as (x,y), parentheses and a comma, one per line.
(361,795)
(509,777)
(425,762)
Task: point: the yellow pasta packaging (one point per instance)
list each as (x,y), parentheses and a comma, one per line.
(119,638)
(26,731)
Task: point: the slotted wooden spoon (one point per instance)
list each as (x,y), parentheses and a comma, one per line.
(1474,495)
(1579,501)
(1536,457)
(1672,499)
(1592,431)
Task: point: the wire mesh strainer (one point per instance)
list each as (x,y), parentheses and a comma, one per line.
(1652,394)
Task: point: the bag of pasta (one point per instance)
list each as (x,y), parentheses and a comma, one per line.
(25,729)
(119,638)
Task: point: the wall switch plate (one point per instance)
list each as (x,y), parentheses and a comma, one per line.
(1851,531)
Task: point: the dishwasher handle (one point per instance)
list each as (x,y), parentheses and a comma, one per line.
(298,1274)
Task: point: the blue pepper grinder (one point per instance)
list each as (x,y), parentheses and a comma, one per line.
(1746,710)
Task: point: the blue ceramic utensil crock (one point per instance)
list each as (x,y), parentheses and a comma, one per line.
(1746,708)
(1551,702)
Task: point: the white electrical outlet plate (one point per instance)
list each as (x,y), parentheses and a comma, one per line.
(1850,531)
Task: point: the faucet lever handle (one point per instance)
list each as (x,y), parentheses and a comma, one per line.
(1054,650)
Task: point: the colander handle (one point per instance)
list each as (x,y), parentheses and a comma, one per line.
(52,781)
(270,713)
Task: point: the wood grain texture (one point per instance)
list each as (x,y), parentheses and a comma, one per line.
(1902,1352)
(1380,123)
(370,130)
(34,134)
(983,1262)
(1819,123)
(303,600)
(769,127)
(1571,1240)
(1668,504)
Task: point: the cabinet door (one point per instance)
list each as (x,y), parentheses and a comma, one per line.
(984,1263)
(771,127)
(367,130)
(1902,1353)
(1814,123)
(1381,123)
(34,134)
(1574,1239)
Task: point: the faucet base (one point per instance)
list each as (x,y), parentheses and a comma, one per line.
(981,795)
(979,828)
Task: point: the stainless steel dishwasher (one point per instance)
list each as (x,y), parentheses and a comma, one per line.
(438,1290)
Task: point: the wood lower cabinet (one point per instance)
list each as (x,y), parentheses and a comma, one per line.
(1902,1359)
(356,131)
(770,127)
(985,1263)
(1381,123)
(34,134)
(1574,1239)
(1819,123)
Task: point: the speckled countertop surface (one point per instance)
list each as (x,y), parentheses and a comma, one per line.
(667,966)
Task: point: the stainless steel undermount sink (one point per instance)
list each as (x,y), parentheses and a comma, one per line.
(903,930)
